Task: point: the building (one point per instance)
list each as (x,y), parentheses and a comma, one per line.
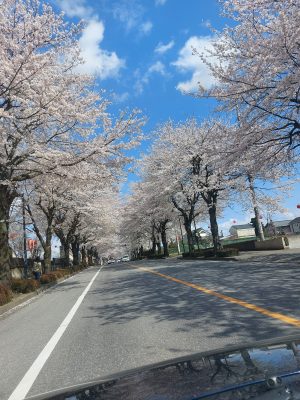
(200,236)
(295,225)
(273,228)
(240,231)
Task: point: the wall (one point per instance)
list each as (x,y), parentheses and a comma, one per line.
(242,246)
(294,241)
(271,244)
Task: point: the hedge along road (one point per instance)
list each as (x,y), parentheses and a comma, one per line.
(130,317)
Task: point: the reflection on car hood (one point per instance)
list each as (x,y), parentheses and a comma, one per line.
(262,370)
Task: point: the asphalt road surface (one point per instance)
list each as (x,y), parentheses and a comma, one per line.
(132,314)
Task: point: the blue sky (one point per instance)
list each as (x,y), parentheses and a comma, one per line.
(140,52)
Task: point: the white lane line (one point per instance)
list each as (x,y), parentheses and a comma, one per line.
(26,383)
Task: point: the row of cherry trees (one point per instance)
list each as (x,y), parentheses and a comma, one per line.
(60,149)
(195,170)
(198,169)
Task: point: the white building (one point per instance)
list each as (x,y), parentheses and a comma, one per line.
(239,231)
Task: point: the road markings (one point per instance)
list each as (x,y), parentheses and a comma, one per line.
(278,316)
(29,378)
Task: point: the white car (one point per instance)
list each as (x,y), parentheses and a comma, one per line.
(125,258)
(111,261)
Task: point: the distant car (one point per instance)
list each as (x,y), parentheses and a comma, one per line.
(125,258)
(111,261)
(119,260)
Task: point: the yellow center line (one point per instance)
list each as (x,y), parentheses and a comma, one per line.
(261,310)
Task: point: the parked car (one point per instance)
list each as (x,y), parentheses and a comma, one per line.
(111,261)
(125,258)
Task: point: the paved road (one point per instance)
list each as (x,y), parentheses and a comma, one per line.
(131,317)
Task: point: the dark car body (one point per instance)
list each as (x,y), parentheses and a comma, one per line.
(267,370)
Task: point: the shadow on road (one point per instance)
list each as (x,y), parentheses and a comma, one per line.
(68,285)
(134,294)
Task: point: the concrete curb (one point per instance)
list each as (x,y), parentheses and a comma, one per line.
(208,258)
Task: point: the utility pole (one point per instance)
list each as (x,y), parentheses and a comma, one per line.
(24,241)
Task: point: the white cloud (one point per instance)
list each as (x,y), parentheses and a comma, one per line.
(158,67)
(188,62)
(143,79)
(289,214)
(75,8)
(99,62)
(205,23)
(163,48)
(128,12)
(146,27)
(160,2)
(121,97)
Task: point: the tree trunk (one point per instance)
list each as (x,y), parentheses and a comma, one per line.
(189,234)
(256,209)
(75,252)
(212,209)
(66,246)
(47,250)
(158,244)
(83,256)
(6,199)
(164,239)
(153,239)
(89,254)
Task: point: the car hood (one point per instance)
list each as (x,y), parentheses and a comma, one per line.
(263,370)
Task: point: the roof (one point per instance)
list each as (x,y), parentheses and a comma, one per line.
(295,220)
(245,226)
(278,224)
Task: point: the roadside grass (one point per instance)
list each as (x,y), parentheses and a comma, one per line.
(6,294)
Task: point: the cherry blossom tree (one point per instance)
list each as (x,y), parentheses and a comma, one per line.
(195,162)
(262,168)
(162,168)
(51,117)
(147,216)
(256,66)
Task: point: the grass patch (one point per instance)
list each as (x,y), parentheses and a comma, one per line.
(5,294)
(24,285)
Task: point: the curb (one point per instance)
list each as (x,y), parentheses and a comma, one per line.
(208,258)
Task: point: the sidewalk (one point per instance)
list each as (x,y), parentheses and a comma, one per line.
(274,256)
(268,256)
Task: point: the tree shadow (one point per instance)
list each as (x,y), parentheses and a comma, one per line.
(66,286)
(135,294)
